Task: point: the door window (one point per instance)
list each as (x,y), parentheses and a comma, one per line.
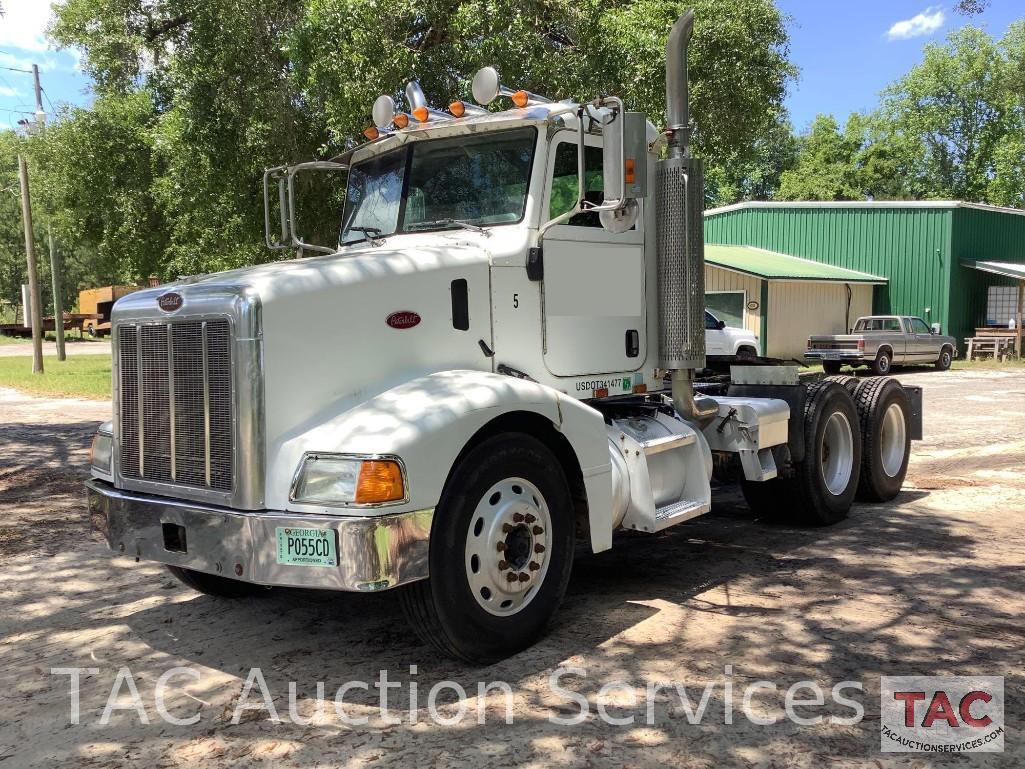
(565,186)
(919,327)
(727,306)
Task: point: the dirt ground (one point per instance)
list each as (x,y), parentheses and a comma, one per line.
(72,346)
(930,584)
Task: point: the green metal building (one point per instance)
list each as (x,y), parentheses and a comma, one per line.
(927,250)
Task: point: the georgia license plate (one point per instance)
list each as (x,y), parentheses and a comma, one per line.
(307,547)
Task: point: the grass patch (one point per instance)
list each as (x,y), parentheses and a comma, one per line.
(80,376)
(989,363)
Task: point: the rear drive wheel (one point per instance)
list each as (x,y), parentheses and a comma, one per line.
(845,381)
(501,552)
(882,411)
(211,584)
(831,366)
(945,359)
(826,480)
(881,365)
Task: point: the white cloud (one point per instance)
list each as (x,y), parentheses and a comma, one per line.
(925,23)
(9,92)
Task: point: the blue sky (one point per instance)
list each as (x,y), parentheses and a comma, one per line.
(847,50)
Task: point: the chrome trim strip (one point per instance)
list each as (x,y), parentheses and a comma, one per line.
(374,552)
(139,400)
(170,401)
(206,405)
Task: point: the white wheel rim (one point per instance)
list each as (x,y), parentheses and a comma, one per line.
(892,440)
(837,453)
(884,363)
(507,546)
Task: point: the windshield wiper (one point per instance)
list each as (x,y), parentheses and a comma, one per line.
(448,223)
(372,233)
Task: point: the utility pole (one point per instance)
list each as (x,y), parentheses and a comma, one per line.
(55,274)
(33,275)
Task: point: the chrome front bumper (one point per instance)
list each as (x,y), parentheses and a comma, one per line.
(374,553)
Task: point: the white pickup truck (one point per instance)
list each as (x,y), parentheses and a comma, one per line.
(879,341)
(727,343)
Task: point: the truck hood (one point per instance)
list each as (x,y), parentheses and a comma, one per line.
(327,343)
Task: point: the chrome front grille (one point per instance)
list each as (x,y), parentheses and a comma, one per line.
(175,403)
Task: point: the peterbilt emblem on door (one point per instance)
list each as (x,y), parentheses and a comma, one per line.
(169,302)
(403,319)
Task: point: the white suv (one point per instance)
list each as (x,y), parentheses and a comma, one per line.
(724,342)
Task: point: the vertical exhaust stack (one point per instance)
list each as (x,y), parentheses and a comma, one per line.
(680,238)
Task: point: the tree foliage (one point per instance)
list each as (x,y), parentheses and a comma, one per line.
(162,174)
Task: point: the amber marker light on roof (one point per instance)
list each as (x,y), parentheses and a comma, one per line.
(371,132)
(422,114)
(401,120)
(457,108)
(520,98)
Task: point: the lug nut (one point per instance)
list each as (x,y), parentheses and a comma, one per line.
(534,566)
(501,547)
(238,570)
(517,517)
(524,576)
(539,548)
(511,577)
(538,530)
(506,528)
(529,518)
(503,565)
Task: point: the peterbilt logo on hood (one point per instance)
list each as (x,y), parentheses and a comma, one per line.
(403,319)
(169,302)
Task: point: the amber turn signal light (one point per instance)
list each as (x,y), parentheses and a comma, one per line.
(380,480)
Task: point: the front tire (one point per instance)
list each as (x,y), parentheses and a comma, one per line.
(945,359)
(501,552)
(211,584)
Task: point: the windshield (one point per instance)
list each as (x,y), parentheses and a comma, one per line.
(432,185)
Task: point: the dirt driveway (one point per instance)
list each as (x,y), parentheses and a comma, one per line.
(933,584)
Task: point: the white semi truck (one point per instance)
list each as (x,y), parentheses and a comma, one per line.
(495,362)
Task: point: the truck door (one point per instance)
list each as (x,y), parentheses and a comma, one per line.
(922,345)
(593,285)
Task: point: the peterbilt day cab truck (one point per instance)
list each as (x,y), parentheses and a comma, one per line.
(495,362)
(879,342)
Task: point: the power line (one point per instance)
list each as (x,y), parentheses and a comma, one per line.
(17,69)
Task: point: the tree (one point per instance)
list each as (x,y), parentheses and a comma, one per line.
(758,177)
(952,112)
(825,165)
(209,94)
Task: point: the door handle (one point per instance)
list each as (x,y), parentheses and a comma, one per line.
(633,343)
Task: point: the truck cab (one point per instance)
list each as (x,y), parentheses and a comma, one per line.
(496,359)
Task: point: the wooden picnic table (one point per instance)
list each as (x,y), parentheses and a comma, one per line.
(999,345)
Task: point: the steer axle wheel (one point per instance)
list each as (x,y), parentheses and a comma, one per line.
(501,552)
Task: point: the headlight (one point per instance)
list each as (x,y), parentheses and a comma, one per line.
(330,479)
(99,454)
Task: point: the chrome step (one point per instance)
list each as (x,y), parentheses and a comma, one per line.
(667,442)
(678,512)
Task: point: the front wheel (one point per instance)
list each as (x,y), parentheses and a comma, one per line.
(501,552)
(945,359)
